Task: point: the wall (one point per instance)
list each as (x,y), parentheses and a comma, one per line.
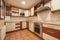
(55,16)
(48,16)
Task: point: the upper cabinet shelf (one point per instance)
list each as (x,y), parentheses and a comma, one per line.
(15,12)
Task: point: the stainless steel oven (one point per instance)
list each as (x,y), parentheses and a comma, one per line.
(38,29)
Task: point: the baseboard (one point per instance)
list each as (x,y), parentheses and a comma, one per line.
(36,35)
(12,31)
(16,30)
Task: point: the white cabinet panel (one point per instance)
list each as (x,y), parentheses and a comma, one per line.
(48,37)
(24,25)
(13,26)
(7,18)
(2,33)
(31,26)
(8,27)
(55,4)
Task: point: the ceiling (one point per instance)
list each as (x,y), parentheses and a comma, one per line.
(17,3)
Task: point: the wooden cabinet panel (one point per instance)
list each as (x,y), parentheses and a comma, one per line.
(27,24)
(31,26)
(52,32)
(8,10)
(48,37)
(20,25)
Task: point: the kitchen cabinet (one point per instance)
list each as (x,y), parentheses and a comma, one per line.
(8,26)
(24,25)
(8,10)
(15,11)
(31,26)
(48,37)
(7,18)
(2,32)
(11,26)
(55,5)
(32,12)
(50,33)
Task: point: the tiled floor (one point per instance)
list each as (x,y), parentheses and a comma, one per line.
(21,35)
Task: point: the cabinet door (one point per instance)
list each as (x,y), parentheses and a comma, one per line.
(31,26)
(13,26)
(8,27)
(55,4)
(24,25)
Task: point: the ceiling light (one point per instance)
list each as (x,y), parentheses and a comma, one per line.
(23,2)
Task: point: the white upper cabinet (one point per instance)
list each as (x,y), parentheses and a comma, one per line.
(26,12)
(55,4)
(32,11)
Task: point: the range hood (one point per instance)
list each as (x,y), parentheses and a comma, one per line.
(42,9)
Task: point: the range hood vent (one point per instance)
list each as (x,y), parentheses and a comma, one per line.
(42,9)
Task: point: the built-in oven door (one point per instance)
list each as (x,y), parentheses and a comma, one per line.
(38,29)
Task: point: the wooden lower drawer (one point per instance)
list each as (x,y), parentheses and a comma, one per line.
(48,37)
